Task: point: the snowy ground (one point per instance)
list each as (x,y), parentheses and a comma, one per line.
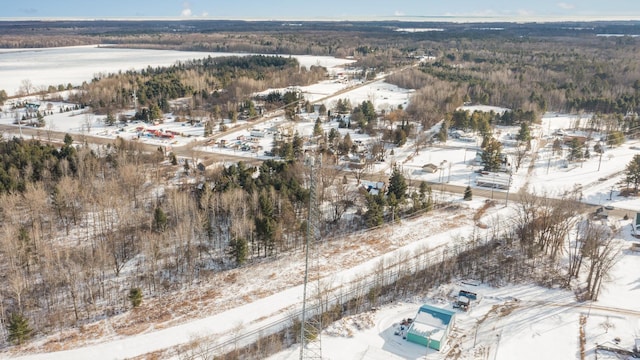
(347,260)
(77,64)
(541,324)
(599,178)
(512,322)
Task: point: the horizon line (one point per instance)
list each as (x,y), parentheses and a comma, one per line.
(399,18)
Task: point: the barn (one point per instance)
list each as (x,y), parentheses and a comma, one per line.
(431,327)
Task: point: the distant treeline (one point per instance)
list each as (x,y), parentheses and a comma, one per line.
(588,75)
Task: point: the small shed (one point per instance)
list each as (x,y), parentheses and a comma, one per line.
(373,187)
(494,180)
(257,133)
(431,327)
(463,299)
(430,168)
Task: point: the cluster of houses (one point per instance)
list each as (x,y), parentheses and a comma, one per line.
(155,133)
(241,143)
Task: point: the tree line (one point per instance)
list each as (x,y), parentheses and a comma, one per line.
(537,75)
(216,86)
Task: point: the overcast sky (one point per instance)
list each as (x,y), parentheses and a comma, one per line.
(321,9)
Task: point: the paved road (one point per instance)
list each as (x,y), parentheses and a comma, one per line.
(511,197)
(56,137)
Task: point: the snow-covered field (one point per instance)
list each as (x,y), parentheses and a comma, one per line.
(542,323)
(384,96)
(76,64)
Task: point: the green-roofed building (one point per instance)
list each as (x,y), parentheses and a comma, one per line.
(431,327)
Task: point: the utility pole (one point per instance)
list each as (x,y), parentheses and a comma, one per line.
(311,323)
(493,185)
(508,187)
(442,180)
(600,161)
(499,336)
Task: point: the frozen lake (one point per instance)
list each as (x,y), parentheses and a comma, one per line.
(54,66)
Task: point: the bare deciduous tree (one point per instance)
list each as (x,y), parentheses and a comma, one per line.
(602,252)
(26,87)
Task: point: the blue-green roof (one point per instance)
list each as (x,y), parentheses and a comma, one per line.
(444,315)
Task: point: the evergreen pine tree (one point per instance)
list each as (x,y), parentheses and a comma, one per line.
(375,210)
(322,110)
(19,329)
(525,133)
(393,203)
(397,184)
(575,150)
(155,113)
(491,156)
(426,199)
(159,219)
(40,117)
(632,172)
(468,195)
(443,134)
(135,297)
(317,128)
(265,224)
(239,249)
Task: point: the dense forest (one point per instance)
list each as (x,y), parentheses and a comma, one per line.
(590,76)
(215,86)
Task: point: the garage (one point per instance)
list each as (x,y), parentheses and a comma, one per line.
(431,327)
